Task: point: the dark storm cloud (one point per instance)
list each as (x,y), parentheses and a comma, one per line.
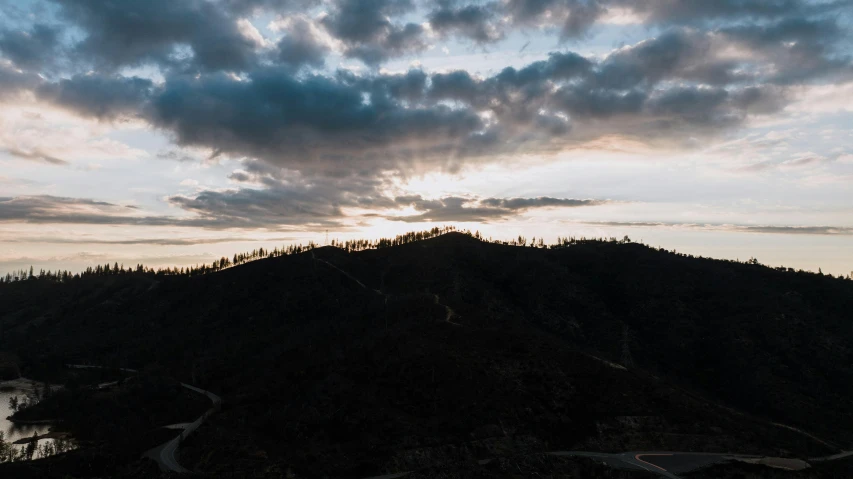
(694,106)
(14,82)
(669,89)
(573,18)
(676,54)
(300,46)
(244,7)
(134,32)
(314,121)
(656,91)
(367,29)
(479,23)
(490,21)
(399,41)
(240,177)
(103,97)
(799,48)
(601,104)
(455,208)
(681,87)
(31,49)
(365,21)
(410,86)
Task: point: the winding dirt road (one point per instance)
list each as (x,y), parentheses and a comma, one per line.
(166,454)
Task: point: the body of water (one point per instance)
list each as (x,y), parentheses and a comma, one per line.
(11,431)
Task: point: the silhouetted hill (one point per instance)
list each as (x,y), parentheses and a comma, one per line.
(437,353)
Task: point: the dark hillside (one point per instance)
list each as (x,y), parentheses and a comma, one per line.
(443,351)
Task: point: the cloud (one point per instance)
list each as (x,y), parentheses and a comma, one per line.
(286,198)
(465,209)
(694,12)
(479,23)
(315,143)
(56,209)
(15,82)
(804,230)
(144,241)
(46,209)
(205,35)
(214,210)
(99,96)
(43,133)
(315,122)
(240,176)
(136,32)
(35,155)
(281,203)
(382,122)
(768,229)
(31,49)
(178,156)
(521,204)
(303,43)
(368,32)
(798,48)
(573,18)
(679,89)
(247,7)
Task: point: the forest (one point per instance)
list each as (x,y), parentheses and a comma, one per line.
(365,358)
(348,245)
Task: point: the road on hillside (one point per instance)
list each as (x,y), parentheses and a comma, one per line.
(166,454)
(664,463)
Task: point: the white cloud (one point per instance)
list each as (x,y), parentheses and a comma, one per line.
(57,134)
(823,99)
(251,33)
(622,16)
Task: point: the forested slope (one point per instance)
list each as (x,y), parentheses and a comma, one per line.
(453,349)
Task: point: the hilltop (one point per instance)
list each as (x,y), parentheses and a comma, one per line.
(441,352)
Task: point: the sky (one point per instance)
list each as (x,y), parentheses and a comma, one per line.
(172,133)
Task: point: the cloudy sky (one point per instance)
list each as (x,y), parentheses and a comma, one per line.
(172,132)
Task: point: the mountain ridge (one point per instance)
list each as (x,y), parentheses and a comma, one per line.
(530,362)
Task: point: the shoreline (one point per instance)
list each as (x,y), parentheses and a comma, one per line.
(31,422)
(25,384)
(47,435)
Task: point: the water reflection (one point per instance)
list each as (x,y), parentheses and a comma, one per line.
(12,432)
